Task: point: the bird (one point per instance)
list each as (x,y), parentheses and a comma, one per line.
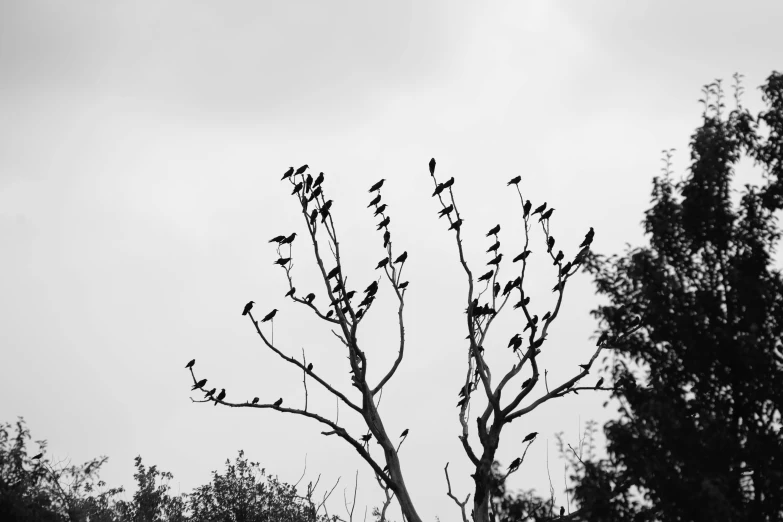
(509,286)
(382,263)
(377,185)
(333,272)
(386,237)
(372,288)
(445,211)
(301,169)
(432,167)
(269,316)
(190,364)
(291,292)
(526,208)
(255,400)
(310,367)
(210,393)
(522,303)
(531,323)
(538,343)
(277,239)
(526,382)
(38,456)
(309,298)
(602,339)
(496,260)
(456,225)
(308,182)
(366,438)
(384,223)
(515,342)
(404,285)
(318,180)
(349,295)
(558,257)
(496,289)
(248,307)
(449,183)
(546,215)
(402,257)
(404,433)
(494,248)
(375,201)
(522,256)
(566,268)
(585,367)
(221,396)
(487,276)
(550,243)
(588,238)
(289,239)
(297,188)
(539,209)
(562,510)
(200,384)
(380,209)
(599,383)
(287,173)
(546,316)
(278,402)
(530,436)
(514,181)
(514,464)
(440,187)
(493,231)
(559,286)
(329,314)
(282,261)
(462,402)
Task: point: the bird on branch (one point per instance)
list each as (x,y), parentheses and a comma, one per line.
(291,292)
(546,316)
(310,367)
(496,260)
(255,400)
(386,237)
(530,436)
(509,286)
(288,173)
(313,216)
(438,189)
(277,239)
(210,393)
(190,364)
(200,384)
(301,169)
(377,186)
(402,257)
(445,211)
(558,257)
(404,433)
(278,402)
(375,201)
(449,183)
(384,223)
(248,307)
(282,261)
(514,181)
(546,215)
(487,276)
(382,263)
(588,238)
(221,396)
(522,256)
(380,209)
(496,289)
(493,231)
(531,323)
(550,243)
(289,239)
(297,188)
(523,302)
(432,167)
(456,225)
(372,289)
(403,285)
(599,383)
(494,248)
(526,208)
(269,316)
(539,209)
(514,465)
(515,342)
(318,180)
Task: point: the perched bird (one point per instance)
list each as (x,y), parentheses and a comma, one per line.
(301,169)
(546,316)
(562,510)
(210,393)
(382,263)
(531,323)
(269,316)
(380,209)
(200,384)
(277,239)
(366,438)
(514,464)
(526,208)
(403,285)
(515,342)
(558,257)
(333,272)
(445,211)
(248,307)
(360,313)
(297,188)
(493,231)
(287,173)
(325,210)
(558,286)
(530,436)
(496,289)
(349,295)
(402,257)
(588,238)
(509,286)
(329,314)
(383,223)
(372,288)
(291,292)
(278,402)
(310,367)
(282,261)
(526,382)
(462,402)
(375,201)
(514,181)
(602,339)
(38,456)
(449,183)
(522,256)
(289,239)
(386,237)
(599,383)
(487,276)
(438,189)
(318,180)
(522,303)
(456,225)
(566,268)
(221,396)
(550,243)
(309,298)
(255,400)
(404,433)
(585,367)
(494,248)
(432,167)
(377,185)
(546,215)
(496,260)
(190,364)
(539,209)
(313,216)
(538,343)
(308,182)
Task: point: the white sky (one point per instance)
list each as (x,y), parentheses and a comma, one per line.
(141,148)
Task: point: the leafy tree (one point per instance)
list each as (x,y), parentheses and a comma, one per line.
(151,502)
(699,437)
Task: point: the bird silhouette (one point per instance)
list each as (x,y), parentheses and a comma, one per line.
(403,285)
(308,182)
(522,256)
(404,433)
(221,396)
(386,237)
(515,342)
(372,288)
(309,298)
(526,208)
(445,211)
(248,307)
(539,209)
(282,261)
(546,316)
(333,272)
(526,382)
(269,316)
(449,183)
(558,257)
(514,181)
(585,367)
(310,367)
(602,339)
(487,276)
(329,314)
(440,187)
(383,223)
(530,436)
(289,239)
(278,402)
(210,393)
(562,510)
(287,173)
(432,167)
(382,263)
(277,239)
(291,292)
(313,216)
(509,286)
(531,323)
(546,215)
(456,225)
(494,248)
(599,383)
(380,209)
(349,295)
(297,188)
(255,400)
(200,384)
(496,289)
(366,438)
(301,169)
(318,180)
(514,464)
(566,268)
(317,191)
(38,456)
(190,364)
(550,243)
(402,257)
(558,286)
(494,230)
(496,260)
(377,185)
(522,303)
(375,201)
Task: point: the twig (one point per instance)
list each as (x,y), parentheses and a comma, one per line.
(455,499)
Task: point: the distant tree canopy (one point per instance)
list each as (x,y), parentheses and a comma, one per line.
(699,437)
(36,490)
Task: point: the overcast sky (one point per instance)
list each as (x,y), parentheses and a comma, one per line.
(141,150)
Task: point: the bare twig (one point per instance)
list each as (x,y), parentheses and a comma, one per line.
(455,499)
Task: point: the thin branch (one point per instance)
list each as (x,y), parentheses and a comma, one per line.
(455,499)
